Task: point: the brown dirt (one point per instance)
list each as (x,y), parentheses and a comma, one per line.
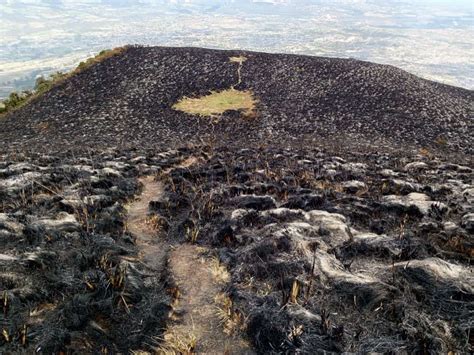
(152,251)
(186,163)
(199,287)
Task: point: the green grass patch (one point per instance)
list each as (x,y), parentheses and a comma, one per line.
(218,102)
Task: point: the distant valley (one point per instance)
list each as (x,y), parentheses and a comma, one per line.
(57,35)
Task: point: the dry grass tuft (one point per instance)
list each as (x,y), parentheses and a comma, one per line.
(192,234)
(441,141)
(103,55)
(219,271)
(232,319)
(218,102)
(156,222)
(295,291)
(260,288)
(240,59)
(326,185)
(175,342)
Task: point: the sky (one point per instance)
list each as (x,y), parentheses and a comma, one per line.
(430,38)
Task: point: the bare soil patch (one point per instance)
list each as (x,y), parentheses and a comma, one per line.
(152,251)
(196,310)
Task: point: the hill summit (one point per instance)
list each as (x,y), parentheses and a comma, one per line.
(132,99)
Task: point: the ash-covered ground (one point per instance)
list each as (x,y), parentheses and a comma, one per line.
(342,212)
(127,100)
(368,252)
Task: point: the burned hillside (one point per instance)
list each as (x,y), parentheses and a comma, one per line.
(128,100)
(305,205)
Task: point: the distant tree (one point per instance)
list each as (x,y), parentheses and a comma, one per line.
(82,65)
(57,76)
(14,99)
(42,84)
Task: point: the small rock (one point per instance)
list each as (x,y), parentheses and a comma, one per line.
(115,165)
(110,172)
(404,187)
(353,186)
(65,223)
(377,243)
(388,173)
(10,224)
(413,200)
(71,204)
(304,201)
(21,168)
(19,182)
(468,195)
(239,214)
(5,258)
(255,202)
(138,160)
(283,214)
(333,224)
(354,168)
(433,273)
(450,226)
(98,200)
(416,166)
(467,222)
(455,167)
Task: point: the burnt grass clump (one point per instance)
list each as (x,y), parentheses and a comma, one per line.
(342,211)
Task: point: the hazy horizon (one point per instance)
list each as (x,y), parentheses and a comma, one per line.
(432,39)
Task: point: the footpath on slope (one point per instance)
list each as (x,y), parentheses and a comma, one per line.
(195,325)
(152,251)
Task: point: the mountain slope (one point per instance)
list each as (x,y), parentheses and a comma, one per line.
(306,219)
(128,99)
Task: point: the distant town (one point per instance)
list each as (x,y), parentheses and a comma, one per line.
(55,35)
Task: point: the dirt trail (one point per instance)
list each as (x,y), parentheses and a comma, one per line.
(199,285)
(151,251)
(197,325)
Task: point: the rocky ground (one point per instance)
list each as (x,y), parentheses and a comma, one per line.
(339,219)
